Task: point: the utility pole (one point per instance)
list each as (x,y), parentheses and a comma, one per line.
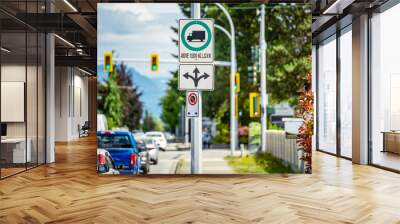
(196,127)
(263,80)
(233,131)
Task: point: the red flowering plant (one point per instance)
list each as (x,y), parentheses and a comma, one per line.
(305,110)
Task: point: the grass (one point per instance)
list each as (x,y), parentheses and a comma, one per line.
(258,163)
(180,167)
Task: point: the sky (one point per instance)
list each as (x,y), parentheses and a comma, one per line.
(135,30)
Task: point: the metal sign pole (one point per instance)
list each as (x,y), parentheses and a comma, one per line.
(263,74)
(197,130)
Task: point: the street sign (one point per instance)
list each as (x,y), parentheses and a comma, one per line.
(196,40)
(192,104)
(196,77)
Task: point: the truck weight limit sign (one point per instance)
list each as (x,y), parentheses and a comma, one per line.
(196,40)
(192,103)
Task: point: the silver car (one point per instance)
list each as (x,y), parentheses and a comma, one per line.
(159,138)
(152,148)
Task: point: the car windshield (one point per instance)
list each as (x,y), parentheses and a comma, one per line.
(113,141)
(154,135)
(148,141)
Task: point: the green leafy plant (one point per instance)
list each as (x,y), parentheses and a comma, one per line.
(306,111)
(260,162)
(113,102)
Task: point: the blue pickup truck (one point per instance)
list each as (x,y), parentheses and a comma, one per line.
(123,149)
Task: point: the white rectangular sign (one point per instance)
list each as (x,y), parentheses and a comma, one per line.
(196,40)
(196,77)
(192,104)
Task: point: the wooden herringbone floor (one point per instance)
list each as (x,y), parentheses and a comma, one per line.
(70,191)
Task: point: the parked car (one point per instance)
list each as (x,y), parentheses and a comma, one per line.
(105,163)
(170,137)
(123,149)
(138,135)
(144,155)
(152,149)
(159,138)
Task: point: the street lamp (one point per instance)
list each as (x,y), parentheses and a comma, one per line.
(232,78)
(223,30)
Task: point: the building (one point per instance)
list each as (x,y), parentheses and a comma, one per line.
(48,78)
(356,74)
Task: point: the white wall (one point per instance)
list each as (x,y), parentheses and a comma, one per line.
(16,73)
(71,102)
(33,126)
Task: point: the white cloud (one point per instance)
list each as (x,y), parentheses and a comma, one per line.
(122,28)
(140,10)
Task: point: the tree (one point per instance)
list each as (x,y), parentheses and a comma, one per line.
(148,122)
(112,102)
(171,104)
(158,125)
(288,39)
(132,109)
(289,48)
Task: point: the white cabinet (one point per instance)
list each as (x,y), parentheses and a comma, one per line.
(19,155)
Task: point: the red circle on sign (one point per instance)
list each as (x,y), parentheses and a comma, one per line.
(192,98)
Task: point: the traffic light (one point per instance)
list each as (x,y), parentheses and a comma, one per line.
(108,62)
(237,82)
(253,69)
(255,104)
(154,62)
(236,106)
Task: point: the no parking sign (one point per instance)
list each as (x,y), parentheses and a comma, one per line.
(192,103)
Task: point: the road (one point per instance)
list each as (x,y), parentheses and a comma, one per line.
(213,161)
(167,161)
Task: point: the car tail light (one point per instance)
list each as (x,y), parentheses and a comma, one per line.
(102,159)
(133,159)
(108,133)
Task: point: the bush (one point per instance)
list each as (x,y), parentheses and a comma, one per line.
(271,164)
(258,163)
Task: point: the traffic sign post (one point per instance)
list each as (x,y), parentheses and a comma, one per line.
(192,104)
(196,73)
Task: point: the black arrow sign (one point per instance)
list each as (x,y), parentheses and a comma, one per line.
(196,77)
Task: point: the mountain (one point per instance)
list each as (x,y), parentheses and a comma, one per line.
(152,89)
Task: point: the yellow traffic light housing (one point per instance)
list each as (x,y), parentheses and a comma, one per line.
(154,62)
(237,82)
(255,104)
(108,62)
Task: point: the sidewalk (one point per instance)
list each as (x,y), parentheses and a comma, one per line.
(213,162)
